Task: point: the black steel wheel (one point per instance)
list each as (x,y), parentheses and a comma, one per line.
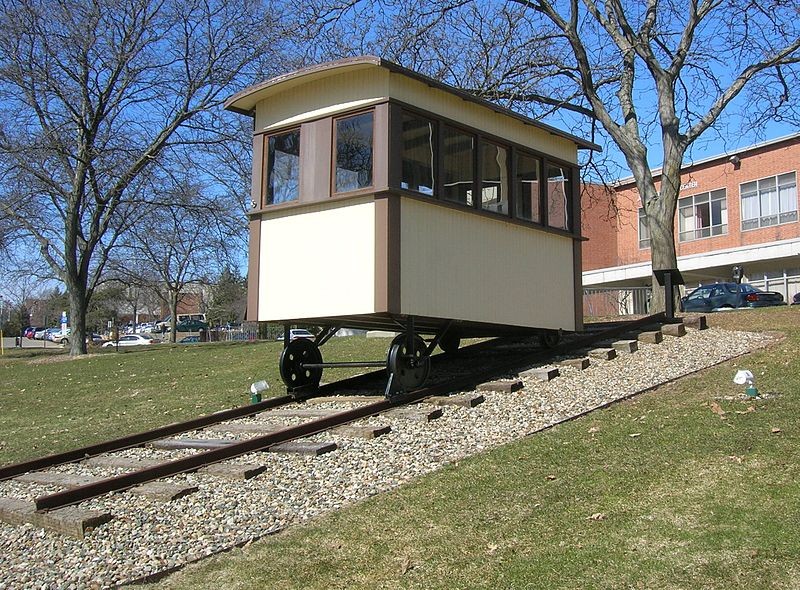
(410,371)
(450,342)
(294,375)
(550,338)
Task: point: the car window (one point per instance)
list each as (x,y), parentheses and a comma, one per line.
(716,292)
(701,293)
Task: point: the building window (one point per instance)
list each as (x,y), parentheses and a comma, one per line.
(458,163)
(419,139)
(527,201)
(769,201)
(354,152)
(283,167)
(644,230)
(494,178)
(559,191)
(703,215)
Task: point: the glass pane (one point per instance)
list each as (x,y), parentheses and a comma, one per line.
(354,153)
(418,154)
(558,192)
(750,207)
(527,201)
(748,188)
(701,198)
(716,212)
(686,219)
(768,199)
(494,178)
(702,215)
(718,194)
(458,162)
(283,167)
(787,198)
(644,230)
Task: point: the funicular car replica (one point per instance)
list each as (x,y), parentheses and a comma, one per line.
(383,199)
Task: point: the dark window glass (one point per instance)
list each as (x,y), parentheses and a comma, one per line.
(354,152)
(419,138)
(458,163)
(494,178)
(527,201)
(283,167)
(558,195)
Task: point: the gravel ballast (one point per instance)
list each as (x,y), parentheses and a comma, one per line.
(146,537)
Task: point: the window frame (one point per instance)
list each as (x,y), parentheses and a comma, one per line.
(334,153)
(265,171)
(779,214)
(514,149)
(708,195)
(482,142)
(435,164)
(644,243)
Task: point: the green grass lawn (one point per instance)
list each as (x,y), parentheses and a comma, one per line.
(694,501)
(50,402)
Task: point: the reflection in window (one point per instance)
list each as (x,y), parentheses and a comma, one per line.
(494,178)
(527,200)
(283,167)
(559,189)
(354,152)
(458,163)
(418,154)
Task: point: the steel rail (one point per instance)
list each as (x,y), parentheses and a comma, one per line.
(140,438)
(194,462)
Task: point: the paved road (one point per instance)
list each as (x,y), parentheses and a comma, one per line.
(10,343)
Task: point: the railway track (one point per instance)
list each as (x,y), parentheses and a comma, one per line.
(456,373)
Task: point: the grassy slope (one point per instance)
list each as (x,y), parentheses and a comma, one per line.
(693,501)
(50,402)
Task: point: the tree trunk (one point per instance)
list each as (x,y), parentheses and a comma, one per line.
(78,305)
(173,318)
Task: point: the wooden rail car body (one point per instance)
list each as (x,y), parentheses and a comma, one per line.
(383,199)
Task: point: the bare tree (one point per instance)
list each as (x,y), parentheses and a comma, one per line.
(92,95)
(655,73)
(181,246)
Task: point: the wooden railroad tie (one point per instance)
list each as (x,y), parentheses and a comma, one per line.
(72,521)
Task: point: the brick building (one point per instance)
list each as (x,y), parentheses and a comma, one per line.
(738,208)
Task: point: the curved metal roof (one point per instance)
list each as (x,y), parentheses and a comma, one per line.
(244,102)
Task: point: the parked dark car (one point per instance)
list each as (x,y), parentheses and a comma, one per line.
(729,296)
(191,326)
(796,299)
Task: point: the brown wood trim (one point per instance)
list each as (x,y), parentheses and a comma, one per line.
(423,198)
(256,188)
(381,123)
(315,157)
(253,264)
(387,254)
(577,254)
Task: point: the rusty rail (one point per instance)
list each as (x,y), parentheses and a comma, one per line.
(194,462)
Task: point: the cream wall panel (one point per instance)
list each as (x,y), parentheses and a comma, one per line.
(442,103)
(334,94)
(464,266)
(320,262)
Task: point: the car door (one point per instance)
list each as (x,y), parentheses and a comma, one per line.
(718,298)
